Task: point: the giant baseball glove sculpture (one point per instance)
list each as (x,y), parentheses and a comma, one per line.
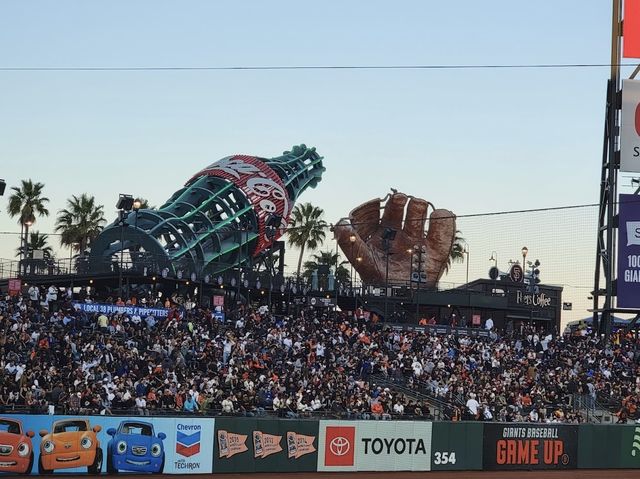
(362,239)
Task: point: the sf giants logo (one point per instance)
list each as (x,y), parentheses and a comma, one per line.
(339,446)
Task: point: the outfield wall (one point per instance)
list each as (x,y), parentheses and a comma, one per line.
(190,445)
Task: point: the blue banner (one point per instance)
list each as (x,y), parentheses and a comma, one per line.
(629,252)
(107,308)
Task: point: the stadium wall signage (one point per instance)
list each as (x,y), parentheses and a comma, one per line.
(540,300)
(613,446)
(630,131)
(198,445)
(374,446)
(550,446)
(106,444)
(107,308)
(265,445)
(628,289)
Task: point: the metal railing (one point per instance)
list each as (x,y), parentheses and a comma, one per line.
(438,406)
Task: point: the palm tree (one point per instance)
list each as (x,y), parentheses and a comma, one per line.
(306,229)
(329,259)
(26,202)
(36,241)
(456,255)
(80,222)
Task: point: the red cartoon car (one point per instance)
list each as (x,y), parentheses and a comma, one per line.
(16,450)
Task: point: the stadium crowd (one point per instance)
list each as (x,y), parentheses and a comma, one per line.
(255,363)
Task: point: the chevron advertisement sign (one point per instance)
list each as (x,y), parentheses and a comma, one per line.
(193,446)
(188,439)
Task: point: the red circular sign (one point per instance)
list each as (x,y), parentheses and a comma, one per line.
(261,185)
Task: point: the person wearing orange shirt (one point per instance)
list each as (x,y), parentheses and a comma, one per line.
(376,409)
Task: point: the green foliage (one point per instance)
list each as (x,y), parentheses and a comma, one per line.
(457,251)
(37,241)
(27,201)
(80,222)
(326,258)
(306,229)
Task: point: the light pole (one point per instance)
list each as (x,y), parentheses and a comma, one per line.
(416,264)
(124,205)
(25,245)
(494,258)
(352,240)
(388,236)
(386,282)
(410,251)
(136,206)
(524,251)
(355,297)
(335,275)
(466,251)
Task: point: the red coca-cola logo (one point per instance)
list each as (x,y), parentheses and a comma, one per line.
(263,188)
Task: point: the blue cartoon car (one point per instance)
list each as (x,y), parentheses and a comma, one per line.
(135,447)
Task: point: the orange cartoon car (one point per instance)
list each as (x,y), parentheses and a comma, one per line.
(16,450)
(72,443)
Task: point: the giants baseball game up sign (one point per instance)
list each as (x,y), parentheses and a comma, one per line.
(517,446)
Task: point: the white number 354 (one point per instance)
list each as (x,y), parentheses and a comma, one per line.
(444,458)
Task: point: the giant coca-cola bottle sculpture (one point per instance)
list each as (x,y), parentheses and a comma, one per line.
(225,214)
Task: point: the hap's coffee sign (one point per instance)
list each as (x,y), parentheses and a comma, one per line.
(545,446)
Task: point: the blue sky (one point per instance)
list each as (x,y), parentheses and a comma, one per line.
(471,141)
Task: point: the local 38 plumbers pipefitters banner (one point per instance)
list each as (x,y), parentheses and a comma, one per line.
(629,252)
(107,308)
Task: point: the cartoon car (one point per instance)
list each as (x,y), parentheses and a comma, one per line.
(135,447)
(16,450)
(72,443)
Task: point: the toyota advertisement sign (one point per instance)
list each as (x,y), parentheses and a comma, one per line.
(374,446)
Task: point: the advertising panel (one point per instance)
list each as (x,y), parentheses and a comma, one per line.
(609,447)
(265,445)
(456,446)
(629,252)
(108,308)
(15,287)
(631,37)
(630,130)
(75,444)
(530,446)
(374,446)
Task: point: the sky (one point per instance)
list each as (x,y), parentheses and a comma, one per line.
(472,141)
